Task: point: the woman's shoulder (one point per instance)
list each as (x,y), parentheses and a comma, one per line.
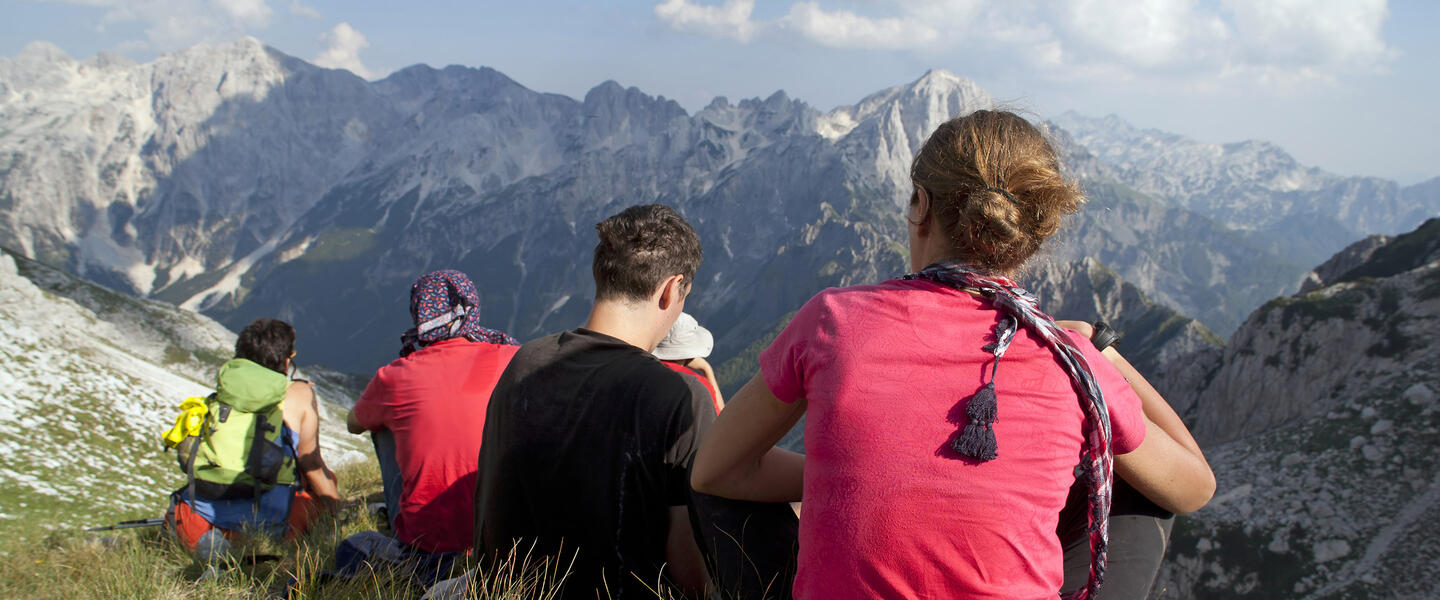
(885,291)
(887,296)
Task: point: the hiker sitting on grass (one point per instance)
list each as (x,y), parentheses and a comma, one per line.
(430,404)
(589,438)
(256,466)
(945,413)
(684,350)
(749,547)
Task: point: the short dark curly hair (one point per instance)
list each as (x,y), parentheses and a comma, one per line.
(266,342)
(639,248)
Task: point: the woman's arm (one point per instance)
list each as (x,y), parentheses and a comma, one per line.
(1168,467)
(738,458)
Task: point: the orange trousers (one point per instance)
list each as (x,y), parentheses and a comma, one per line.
(188,526)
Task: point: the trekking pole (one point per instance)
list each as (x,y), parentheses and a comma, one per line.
(130,524)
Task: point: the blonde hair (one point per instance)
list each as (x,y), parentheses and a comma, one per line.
(995,186)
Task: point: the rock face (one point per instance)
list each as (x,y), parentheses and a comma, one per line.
(1321,424)
(1352,256)
(89,379)
(1370,323)
(243,182)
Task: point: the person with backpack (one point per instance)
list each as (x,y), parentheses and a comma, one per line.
(431,404)
(946,416)
(254,463)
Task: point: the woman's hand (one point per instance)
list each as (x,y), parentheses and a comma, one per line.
(1168,466)
(1081,327)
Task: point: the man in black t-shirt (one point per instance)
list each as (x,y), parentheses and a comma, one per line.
(588,438)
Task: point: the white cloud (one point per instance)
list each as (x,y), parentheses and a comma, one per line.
(1279,42)
(1140,33)
(1299,32)
(247,13)
(845,29)
(730,20)
(301,10)
(343,46)
(173,24)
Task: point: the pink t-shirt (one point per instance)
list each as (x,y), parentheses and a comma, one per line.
(890,510)
(434,402)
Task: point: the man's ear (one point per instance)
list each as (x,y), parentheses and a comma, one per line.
(672,291)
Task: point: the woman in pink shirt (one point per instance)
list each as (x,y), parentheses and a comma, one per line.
(946,416)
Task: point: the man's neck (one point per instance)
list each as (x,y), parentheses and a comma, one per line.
(629,322)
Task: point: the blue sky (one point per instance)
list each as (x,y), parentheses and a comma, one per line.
(1346,85)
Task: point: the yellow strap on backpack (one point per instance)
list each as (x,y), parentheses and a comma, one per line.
(190,422)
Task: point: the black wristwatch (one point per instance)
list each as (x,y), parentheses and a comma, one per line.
(1104,336)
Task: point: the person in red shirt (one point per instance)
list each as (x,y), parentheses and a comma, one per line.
(749,547)
(945,414)
(431,403)
(684,350)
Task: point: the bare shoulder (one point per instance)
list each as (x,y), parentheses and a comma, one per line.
(300,392)
(299,401)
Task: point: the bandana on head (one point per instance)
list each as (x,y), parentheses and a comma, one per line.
(444,305)
(1019,309)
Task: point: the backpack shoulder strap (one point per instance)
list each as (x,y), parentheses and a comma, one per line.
(195,451)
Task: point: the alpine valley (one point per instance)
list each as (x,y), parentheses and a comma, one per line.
(240,182)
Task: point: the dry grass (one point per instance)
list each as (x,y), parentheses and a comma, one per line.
(146,563)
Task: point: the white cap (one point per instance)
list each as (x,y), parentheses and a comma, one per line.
(687,339)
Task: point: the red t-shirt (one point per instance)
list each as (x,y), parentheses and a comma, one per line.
(679,368)
(434,402)
(890,510)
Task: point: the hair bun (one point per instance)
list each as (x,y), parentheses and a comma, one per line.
(995,218)
(996,187)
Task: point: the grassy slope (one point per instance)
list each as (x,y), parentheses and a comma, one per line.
(145,563)
(89,378)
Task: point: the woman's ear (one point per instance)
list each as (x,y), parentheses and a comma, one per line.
(919,207)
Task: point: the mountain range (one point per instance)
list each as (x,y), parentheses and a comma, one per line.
(242,182)
(1285,312)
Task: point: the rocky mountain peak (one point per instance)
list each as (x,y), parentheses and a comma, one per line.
(1414,250)
(1352,256)
(923,104)
(1183,160)
(1254,186)
(38,65)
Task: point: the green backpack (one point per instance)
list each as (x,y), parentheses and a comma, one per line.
(241,451)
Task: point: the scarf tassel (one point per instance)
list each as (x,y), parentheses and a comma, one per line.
(977,440)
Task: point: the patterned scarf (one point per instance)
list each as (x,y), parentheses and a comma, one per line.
(977,440)
(444,305)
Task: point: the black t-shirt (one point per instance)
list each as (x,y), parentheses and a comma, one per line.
(588,443)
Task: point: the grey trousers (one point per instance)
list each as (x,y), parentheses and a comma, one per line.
(1139,536)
